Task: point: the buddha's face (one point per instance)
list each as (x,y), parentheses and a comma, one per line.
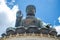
(30,10)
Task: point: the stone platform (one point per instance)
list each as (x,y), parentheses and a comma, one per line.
(30,37)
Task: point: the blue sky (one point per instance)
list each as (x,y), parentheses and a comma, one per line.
(47,10)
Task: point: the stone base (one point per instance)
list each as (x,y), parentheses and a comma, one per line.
(30,37)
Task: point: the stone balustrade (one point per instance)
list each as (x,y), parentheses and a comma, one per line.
(30,37)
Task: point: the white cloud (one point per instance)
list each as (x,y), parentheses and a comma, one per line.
(10,12)
(7,16)
(59,19)
(57,29)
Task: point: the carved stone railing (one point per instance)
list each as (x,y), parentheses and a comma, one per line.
(30,37)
